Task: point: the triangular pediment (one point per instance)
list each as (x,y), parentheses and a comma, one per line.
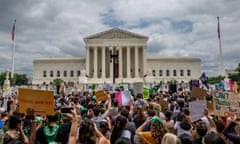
(116,33)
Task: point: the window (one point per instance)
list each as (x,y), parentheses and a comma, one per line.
(78,73)
(44,73)
(65,73)
(51,73)
(174,72)
(181,72)
(188,72)
(154,73)
(58,73)
(71,73)
(167,73)
(160,73)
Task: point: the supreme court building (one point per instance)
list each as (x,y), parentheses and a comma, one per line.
(116,54)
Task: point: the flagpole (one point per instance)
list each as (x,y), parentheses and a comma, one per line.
(220,49)
(13,49)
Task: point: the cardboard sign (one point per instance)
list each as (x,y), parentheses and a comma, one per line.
(210,106)
(198,93)
(227,104)
(163,103)
(101,95)
(41,101)
(196,109)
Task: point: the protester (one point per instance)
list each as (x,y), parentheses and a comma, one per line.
(100,122)
(157,130)
(232,131)
(15,133)
(118,129)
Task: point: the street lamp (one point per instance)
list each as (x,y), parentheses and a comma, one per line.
(113,58)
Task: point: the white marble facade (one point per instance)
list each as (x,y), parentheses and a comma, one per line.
(131,63)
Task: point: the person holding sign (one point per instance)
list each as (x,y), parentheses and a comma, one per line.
(97,117)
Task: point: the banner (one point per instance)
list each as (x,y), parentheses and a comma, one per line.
(227,104)
(41,101)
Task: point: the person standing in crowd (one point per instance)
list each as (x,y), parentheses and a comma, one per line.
(156,133)
(169,121)
(48,133)
(170,138)
(97,117)
(232,130)
(119,129)
(200,132)
(15,133)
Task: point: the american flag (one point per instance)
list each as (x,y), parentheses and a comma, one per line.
(218,28)
(13,30)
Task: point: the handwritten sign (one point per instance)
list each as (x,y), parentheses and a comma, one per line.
(163,103)
(227,104)
(101,95)
(196,109)
(41,101)
(198,93)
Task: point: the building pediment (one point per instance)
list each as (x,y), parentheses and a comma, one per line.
(116,33)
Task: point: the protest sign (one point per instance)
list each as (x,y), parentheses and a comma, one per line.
(210,106)
(227,104)
(126,97)
(101,95)
(196,109)
(41,101)
(146,93)
(198,93)
(163,103)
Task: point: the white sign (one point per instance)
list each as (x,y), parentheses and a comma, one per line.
(196,109)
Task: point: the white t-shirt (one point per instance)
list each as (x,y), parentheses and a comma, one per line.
(181,131)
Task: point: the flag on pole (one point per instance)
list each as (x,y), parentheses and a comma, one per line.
(218,28)
(13,30)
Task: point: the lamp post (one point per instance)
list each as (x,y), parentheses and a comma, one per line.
(113,58)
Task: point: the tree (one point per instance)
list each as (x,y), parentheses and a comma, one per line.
(214,80)
(235,76)
(57,82)
(18,79)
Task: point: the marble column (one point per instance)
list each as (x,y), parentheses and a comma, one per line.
(111,64)
(87,61)
(103,63)
(144,60)
(128,62)
(120,62)
(95,65)
(136,62)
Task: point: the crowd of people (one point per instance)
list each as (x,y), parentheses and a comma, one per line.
(80,119)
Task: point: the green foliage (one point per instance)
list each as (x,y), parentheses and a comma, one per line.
(58,81)
(18,79)
(235,76)
(214,80)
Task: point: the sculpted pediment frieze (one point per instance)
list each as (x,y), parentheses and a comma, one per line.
(116,33)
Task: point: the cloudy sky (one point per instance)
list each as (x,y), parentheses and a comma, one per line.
(56,28)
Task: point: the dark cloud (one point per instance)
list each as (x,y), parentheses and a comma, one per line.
(175,28)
